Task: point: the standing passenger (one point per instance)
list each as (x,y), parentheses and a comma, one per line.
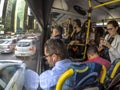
(110,46)
(76,35)
(56,55)
(57,32)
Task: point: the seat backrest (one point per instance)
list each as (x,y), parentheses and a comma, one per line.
(115,83)
(112,72)
(114,68)
(79,76)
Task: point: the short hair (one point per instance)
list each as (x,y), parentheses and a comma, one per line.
(56,46)
(58,28)
(92,50)
(78,22)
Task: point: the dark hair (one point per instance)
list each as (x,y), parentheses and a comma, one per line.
(114,23)
(58,28)
(92,50)
(56,46)
(78,22)
(86,23)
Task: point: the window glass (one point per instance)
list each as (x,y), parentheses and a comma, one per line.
(7,42)
(23,44)
(34,42)
(6,74)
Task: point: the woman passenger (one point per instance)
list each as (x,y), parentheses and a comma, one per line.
(76,35)
(110,46)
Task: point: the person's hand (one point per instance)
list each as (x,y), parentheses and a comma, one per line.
(107,44)
(100,48)
(101,41)
(71,43)
(74,30)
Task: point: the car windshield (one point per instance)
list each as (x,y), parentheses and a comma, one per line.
(7,42)
(23,44)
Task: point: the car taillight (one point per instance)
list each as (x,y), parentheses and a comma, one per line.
(31,48)
(8,46)
(15,48)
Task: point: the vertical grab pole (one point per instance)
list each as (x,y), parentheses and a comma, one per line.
(88,29)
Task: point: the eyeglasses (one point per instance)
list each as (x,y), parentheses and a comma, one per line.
(109,28)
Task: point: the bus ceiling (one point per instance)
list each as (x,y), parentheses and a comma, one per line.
(101,9)
(60,10)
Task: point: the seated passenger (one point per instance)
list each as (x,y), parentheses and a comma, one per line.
(110,46)
(92,54)
(56,55)
(57,32)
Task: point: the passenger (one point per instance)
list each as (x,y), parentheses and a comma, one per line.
(93,56)
(91,35)
(69,26)
(99,32)
(57,32)
(56,55)
(68,30)
(76,34)
(110,46)
(77,37)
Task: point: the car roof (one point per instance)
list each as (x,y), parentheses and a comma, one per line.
(9,39)
(5,63)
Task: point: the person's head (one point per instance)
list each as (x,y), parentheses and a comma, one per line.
(85,25)
(57,30)
(76,23)
(112,27)
(54,50)
(92,52)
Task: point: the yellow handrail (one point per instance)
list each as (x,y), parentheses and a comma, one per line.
(102,78)
(106,3)
(88,29)
(63,77)
(115,70)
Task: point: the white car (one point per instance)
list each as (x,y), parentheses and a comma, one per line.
(8,46)
(12,74)
(25,47)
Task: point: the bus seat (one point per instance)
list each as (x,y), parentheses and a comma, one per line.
(103,74)
(115,83)
(82,76)
(113,73)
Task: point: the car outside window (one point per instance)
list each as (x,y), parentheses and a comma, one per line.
(34,42)
(7,41)
(6,74)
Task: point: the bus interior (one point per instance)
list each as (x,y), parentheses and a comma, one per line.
(93,16)
(60,12)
